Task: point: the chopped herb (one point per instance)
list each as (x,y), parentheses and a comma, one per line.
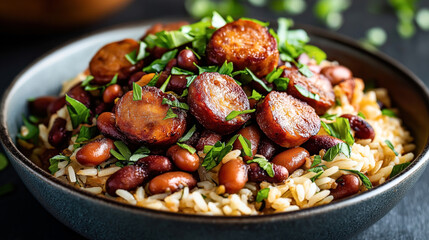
(337,149)
(390,145)
(203,69)
(315,177)
(388,112)
(264,164)
(328,116)
(338,102)
(365,180)
(170,114)
(246,145)
(184,93)
(255,95)
(6,188)
(340,129)
(315,53)
(53,161)
(316,161)
(175,103)
(132,57)
(187,147)
(234,114)
(398,168)
(165,84)
(273,75)
(217,20)
(302,68)
(263,24)
(33,119)
(123,149)
(168,39)
(190,80)
(179,71)
(226,68)
(78,112)
(159,64)
(213,158)
(207,148)
(360,114)
(196,54)
(189,134)
(281,83)
(86,133)
(139,153)
(304,92)
(154,80)
(262,194)
(88,87)
(256,79)
(125,154)
(316,169)
(87,80)
(137,92)
(33,131)
(3,161)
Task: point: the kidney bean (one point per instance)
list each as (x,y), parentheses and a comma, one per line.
(183,159)
(56,105)
(233,175)
(95,152)
(78,93)
(291,159)
(58,134)
(171,182)
(336,74)
(257,174)
(186,60)
(207,138)
(101,107)
(267,148)
(361,127)
(172,63)
(39,107)
(251,133)
(319,142)
(111,93)
(347,185)
(177,83)
(130,177)
(106,124)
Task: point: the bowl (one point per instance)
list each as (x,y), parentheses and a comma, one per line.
(100,218)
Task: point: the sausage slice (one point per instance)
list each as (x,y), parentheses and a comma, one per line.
(212,96)
(142,121)
(317,84)
(110,60)
(246,44)
(286,120)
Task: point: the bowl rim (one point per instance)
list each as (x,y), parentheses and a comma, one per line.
(418,162)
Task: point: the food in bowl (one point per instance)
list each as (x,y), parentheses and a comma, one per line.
(218,117)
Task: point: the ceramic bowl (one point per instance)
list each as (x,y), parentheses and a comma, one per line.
(99,218)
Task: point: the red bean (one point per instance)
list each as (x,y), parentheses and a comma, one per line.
(95,152)
(183,159)
(291,159)
(257,174)
(111,93)
(186,60)
(347,185)
(361,127)
(56,105)
(177,83)
(319,142)
(39,107)
(58,133)
(267,148)
(171,182)
(233,175)
(78,93)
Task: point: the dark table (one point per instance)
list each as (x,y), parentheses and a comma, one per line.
(21,216)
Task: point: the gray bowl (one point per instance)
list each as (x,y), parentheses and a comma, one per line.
(99,218)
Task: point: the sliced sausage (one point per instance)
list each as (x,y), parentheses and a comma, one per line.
(106,123)
(319,142)
(246,44)
(286,120)
(208,138)
(142,121)
(110,60)
(212,96)
(291,159)
(317,84)
(251,133)
(336,74)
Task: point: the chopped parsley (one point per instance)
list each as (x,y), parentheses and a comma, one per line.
(262,194)
(86,133)
(175,103)
(390,145)
(53,168)
(337,149)
(125,156)
(170,114)
(159,64)
(304,92)
(365,180)
(388,112)
(255,95)
(187,147)
(137,92)
(78,112)
(398,168)
(234,114)
(189,134)
(264,164)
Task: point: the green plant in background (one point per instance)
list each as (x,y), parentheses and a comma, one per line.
(329,12)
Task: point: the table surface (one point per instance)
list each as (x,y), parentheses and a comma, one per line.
(22,216)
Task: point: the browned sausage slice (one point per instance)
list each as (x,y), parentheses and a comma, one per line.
(286,120)
(212,96)
(317,84)
(208,138)
(246,44)
(142,121)
(110,60)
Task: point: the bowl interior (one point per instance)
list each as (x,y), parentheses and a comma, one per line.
(46,75)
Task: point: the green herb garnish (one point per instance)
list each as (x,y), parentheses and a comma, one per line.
(33,131)
(246,145)
(78,112)
(189,134)
(340,129)
(86,133)
(304,92)
(125,156)
(170,114)
(365,180)
(53,168)
(316,161)
(256,79)
(175,103)
(255,95)
(187,147)
(165,84)
(159,64)
(179,71)
(262,194)
(137,92)
(388,112)
(234,114)
(390,145)
(264,164)
(398,168)
(337,149)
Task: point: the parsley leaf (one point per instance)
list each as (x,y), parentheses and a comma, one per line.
(388,112)
(398,168)
(262,194)
(179,71)
(256,79)
(255,95)
(328,116)
(189,134)
(234,114)
(264,164)
(33,131)
(337,149)
(154,80)
(125,154)
(159,64)
(263,24)
(365,180)
(86,133)
(190,80)
(78,112)
(165,84)
(226,68)
(273,75)
(170,114)
(360,114)
(317,160)
(304,92)
(187,147)
(246,145)
(137,92)
(217,20)
(281,83)
(175,103)
(390,145)
(340,129)
(53,168)
(318,173)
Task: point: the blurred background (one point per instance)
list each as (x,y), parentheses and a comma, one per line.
(30,28)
